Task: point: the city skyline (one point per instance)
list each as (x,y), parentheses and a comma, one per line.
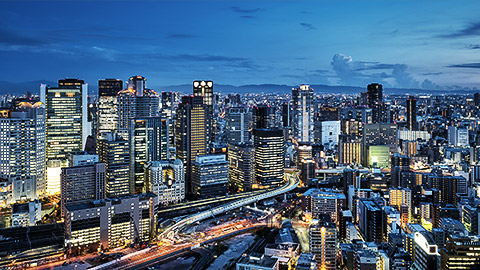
(224,135)
(425,46)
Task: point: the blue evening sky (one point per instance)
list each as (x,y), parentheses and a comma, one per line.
(406,44)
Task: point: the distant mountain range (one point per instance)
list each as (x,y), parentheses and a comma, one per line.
(34,88)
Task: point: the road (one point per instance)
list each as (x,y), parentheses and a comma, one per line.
(292,183)
(152,256)
(135,258)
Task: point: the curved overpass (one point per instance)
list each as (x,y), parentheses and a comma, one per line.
(292,183)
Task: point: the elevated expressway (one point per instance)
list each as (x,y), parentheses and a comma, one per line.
(291,183)
(132,260)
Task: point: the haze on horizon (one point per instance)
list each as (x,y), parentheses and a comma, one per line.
(402,44)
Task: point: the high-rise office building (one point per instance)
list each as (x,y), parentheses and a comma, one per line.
(210,176)
(269,157)
(66,128)
(108,104)
(304,151)
(190,133)
(237,122)
(476,99)
(82,184)
(148,142)
(205,89)
(378,156)
(350,152)
(135,102)
(375,101)
(412,113)
(361,114)
(111,223)
(66,118)
(22,150)
(286,114)
(449,186)
(241,166)
(168,104)
(458,136)
(166,179)
(380,134)
(370,220)
(323,244)
(460,252)
(324,202)
(263,116)
(401,197)
(114,151)
(426,254)
(303,113)
(399,163)
(328,133)
(307,170)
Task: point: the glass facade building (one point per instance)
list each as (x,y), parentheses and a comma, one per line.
(269,157)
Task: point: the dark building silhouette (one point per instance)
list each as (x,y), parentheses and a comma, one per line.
(375,101)
(412,113)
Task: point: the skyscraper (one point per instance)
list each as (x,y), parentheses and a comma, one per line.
(269,157)
(210,176)
(114,151)
(412,113)
(375,101)
(148,142)
(458,136)
(108,104)
(286,114)
(381,134)
(400,197)
(168,105)
(190,133)
(323,244)
(135,102)
(166,179)
(303,113)
(263,116)
(238,120)
(82,184)
(66,118)
(22,150)
(67,126)
(241,166)
(370,220)
(205,89)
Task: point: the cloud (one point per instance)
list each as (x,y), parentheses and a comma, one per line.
(362,65)
(245,11)
(466,65)
(181,36)
(205,58)
(403,77)
(473,46)
(471,29)
(429,85)
(308,26)
(13,38)
(432,73)
(351,72)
